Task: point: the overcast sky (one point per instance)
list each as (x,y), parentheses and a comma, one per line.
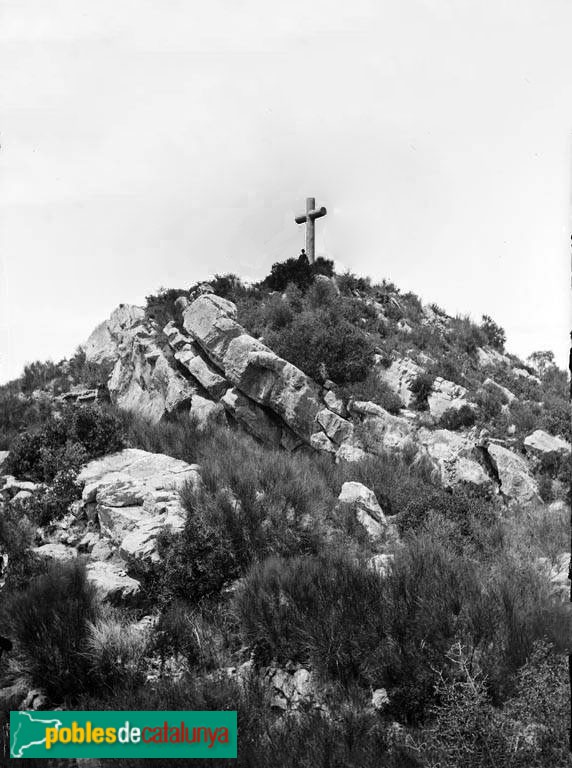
(149,143)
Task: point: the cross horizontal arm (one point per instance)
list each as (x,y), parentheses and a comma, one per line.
(301,219)
(317,213)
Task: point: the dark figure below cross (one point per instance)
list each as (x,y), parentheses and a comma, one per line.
(312,213)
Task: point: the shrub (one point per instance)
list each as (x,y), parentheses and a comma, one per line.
(116,654)
(298,271)
(51,503)
(348,283)
(495,335)
(161,306)
(325,345)
(421,387)
(49,625)
(269,503)
(374,390)
(458,418)
(63,443)
(326,611)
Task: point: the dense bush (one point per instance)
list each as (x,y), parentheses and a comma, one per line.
(324,345)
(324,611)
(495,335)
(65,442)
(269,502)
(48,623)
(298,271)
(161,305)
(458,418)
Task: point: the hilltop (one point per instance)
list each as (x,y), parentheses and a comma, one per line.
(315,488)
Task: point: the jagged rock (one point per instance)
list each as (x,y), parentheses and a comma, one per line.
(205,412)
(335,403)
(141,543)
(252,417)
(321,442)
(444,396)
(112,582)
(516,481)
(251,366)
(136,495)
(399,377)
(215,384)
(363,503)
(88,542)
(492,385)
(380,429)
(149,386)
(541,444)
(107,341)
(177,340)
(55,551)
(337,429)
(291,688)
(454,456)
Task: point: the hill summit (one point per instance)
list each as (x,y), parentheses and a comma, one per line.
(313,495)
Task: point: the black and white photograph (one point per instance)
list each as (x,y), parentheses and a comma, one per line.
(285,383)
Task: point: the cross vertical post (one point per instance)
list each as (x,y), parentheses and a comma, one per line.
(312,213)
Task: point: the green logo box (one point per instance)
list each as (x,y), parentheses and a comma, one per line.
(150,734)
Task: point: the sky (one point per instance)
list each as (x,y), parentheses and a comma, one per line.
(153,143)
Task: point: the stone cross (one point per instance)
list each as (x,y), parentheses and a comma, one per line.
(308,219)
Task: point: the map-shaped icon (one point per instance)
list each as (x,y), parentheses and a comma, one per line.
(28,730)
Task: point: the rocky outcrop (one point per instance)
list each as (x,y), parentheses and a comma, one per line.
(252,367)
(516,480)
(136,495)
(446,395)
(505,393)
(543,445)
(113,583)
(454,456)
(399,376)
(112,338)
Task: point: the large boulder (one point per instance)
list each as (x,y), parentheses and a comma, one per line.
(251,366)
(112,582)
(362,502)
(516,480)
(446,395)
(543,445)
(136,496)
(399,377)
(455,457)
(144,379)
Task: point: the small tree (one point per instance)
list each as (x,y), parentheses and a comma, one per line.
(542,360)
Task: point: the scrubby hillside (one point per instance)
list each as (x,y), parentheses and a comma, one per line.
(315,500)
